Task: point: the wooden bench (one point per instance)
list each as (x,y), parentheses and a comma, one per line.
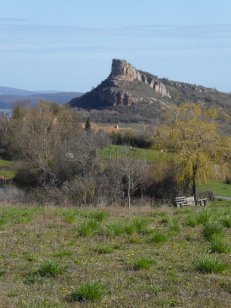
(183,201)
(180,201)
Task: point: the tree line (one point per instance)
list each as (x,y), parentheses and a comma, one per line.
(57,160)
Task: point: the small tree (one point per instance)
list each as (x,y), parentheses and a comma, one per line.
(88,124)
(192,134)
(132,171)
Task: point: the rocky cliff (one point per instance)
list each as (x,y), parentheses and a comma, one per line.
(127,86)
(124,86)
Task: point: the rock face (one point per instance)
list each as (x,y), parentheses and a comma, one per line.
(124,86)
(127,86)
(122,70)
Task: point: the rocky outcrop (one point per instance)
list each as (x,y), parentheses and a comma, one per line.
(127,86)
(124,86)
(122,70)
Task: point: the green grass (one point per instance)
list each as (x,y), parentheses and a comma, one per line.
(88,228)
(18,215)
(143,263)
(158,237)
(50,268)
(209,264)
(114,150)
(93,292)
(98,215)
(145,257)
(7,169)
(212,228)
(218,188)
(218,244)
(104,248)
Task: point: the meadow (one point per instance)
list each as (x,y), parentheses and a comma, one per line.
(113,257)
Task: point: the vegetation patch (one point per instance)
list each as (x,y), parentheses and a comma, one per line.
(209,264)
(158,237)
(88,228)
(211,228)
(218,244)
(142,263)
(93,291)
(50,268)
(131,252)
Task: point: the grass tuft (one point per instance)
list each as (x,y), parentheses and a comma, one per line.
(88,228)
(93,292)
(211,228)
(226,221)
(191,220)
(98,215)
(143,263)
(218,244)
(209,264)
(50,268)
(158,237)
(106,248)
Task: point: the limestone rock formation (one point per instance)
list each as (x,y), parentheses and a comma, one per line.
(127,86)
(124,86)
(122,70)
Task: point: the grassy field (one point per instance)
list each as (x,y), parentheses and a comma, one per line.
(218,188)
(110,257)
(137,153)
(6,169)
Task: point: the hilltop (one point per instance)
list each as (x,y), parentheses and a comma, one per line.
(127,86)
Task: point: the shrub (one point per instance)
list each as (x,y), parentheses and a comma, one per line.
(2,272)
(228,179)
(209,264)
(143,263)
(94,292)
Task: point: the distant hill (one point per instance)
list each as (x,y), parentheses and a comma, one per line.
(14,91)
(11,96)
(145,95)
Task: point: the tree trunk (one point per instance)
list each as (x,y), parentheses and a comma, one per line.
(194,186)
(129,191)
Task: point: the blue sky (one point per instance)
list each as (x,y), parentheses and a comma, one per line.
(69,45)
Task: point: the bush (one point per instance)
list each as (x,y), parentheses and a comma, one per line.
(94,292)
(228,179)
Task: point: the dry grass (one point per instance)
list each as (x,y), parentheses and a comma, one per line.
(35,240)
